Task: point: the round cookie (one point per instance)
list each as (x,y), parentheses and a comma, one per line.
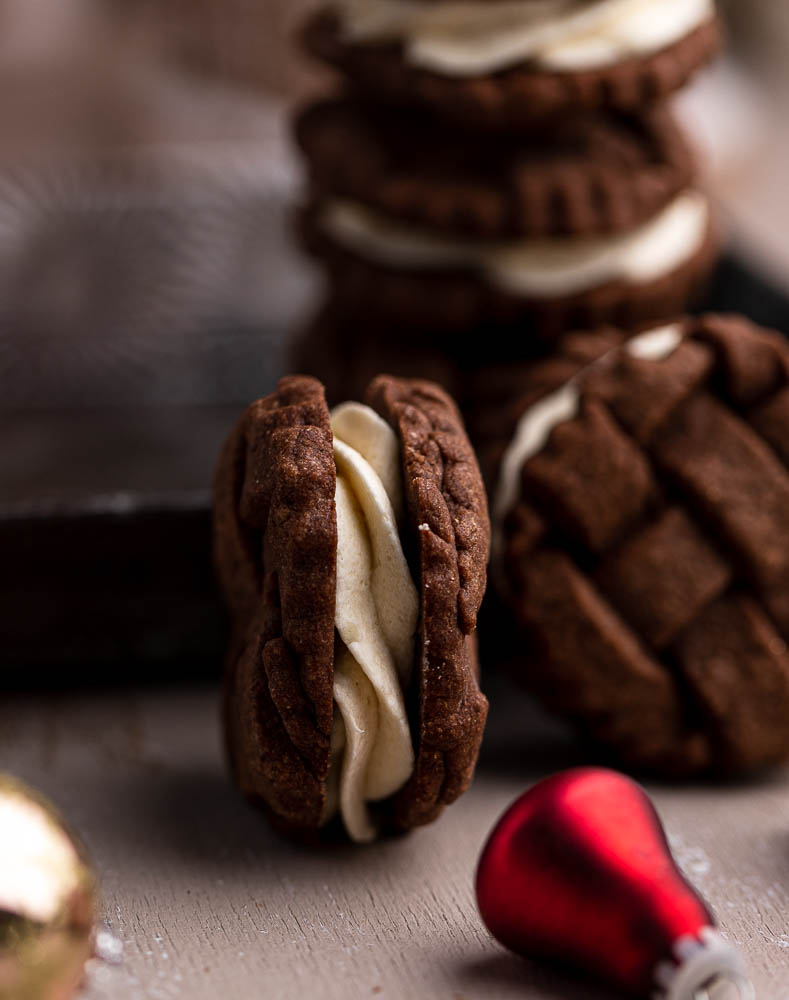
(641,515)
(411,54)
(580,175)
(653,273)
(282,553)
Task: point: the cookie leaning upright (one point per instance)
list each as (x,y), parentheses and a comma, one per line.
(503,65)
(641,540)
(352,552)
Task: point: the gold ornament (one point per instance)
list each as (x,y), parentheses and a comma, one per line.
(47,899)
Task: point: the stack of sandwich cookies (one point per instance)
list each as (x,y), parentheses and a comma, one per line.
(525,170)
(594,219)
(352,550)
(638,517)
(505,63)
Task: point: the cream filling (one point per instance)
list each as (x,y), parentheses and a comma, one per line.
(467,39)
(376,613)
(535,426)
(538,269)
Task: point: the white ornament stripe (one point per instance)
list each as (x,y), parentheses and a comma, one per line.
(703,966)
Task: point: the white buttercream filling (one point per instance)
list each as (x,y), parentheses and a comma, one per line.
(538,269)
(535,426)
(376,613)
(473,38)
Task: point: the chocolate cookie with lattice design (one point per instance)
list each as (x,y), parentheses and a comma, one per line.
(352,548)
(641,539)
(505,66)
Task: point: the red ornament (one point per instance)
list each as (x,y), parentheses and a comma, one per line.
(578,872)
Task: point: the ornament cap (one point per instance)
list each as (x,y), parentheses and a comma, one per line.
(702,960)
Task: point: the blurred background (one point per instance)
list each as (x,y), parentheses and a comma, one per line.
(148,284)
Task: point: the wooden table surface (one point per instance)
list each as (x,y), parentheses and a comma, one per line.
(210,904)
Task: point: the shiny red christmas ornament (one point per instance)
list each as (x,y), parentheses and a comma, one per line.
(578,872)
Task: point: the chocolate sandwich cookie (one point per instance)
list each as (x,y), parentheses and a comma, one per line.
(641,519)
(578,176)
(504,65)
(395,275)
(594,220)
(352,549)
